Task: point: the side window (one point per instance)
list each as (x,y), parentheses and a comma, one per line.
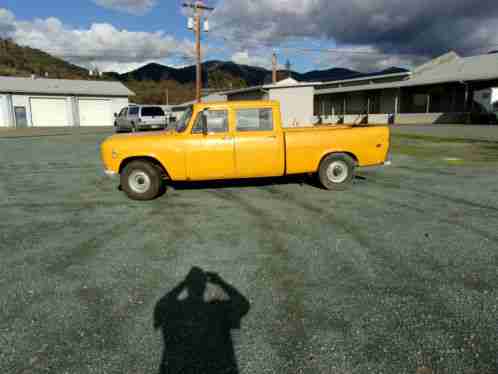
(255,119)
(133,111)
(152,111)
(217,122)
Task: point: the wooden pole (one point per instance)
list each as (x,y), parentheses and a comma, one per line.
(198,53)
(274,68)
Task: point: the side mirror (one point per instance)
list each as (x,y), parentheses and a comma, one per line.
(115,115)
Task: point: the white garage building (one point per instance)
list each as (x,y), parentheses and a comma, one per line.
(40,102)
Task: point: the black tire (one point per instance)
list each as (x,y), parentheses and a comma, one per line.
(141,180)
(336,172)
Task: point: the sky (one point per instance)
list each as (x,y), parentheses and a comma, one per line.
(365,35)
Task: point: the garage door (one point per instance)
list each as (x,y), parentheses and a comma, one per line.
(3,122)
(49,112)
(95,112)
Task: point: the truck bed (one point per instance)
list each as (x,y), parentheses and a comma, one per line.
(306,146)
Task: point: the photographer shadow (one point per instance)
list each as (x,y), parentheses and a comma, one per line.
(197,331)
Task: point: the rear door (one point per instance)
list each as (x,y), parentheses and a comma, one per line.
(259,143)
(211,156)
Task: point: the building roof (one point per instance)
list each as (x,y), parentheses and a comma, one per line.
(214,97)
(63,87)
(474,68)
(290,82)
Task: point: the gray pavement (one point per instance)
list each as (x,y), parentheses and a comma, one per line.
(396,275)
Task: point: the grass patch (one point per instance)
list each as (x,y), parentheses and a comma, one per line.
(439,139)
(451,151)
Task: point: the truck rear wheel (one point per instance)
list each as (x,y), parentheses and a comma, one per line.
(141,180)
(336,171)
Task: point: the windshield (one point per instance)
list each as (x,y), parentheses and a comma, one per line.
(182,123)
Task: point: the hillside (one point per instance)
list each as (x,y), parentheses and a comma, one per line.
(24,61)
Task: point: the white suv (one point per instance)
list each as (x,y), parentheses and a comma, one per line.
(140,117)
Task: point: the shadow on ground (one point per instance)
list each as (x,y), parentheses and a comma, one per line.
(197,332)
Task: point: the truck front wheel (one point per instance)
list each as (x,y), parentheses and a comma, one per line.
(141,180)
(336,172)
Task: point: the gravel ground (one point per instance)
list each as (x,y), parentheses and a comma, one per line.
(396,275)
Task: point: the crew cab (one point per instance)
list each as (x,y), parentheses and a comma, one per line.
(232,140)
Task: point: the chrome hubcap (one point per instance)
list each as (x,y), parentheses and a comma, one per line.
(139,181)
(337,172)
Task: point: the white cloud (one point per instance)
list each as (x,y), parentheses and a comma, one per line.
(243,58)
(138,7)
(6,22)
(101,45)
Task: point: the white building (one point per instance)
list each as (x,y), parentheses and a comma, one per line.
(40,102)
(448,89)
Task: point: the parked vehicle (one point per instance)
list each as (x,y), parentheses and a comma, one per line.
(228,140)
(140,117)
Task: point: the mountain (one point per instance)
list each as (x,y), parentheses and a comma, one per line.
(24,61)
(156,72)
(233,74)
(327,75)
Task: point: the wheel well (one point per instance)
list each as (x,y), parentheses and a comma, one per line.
(152,160)
(355,159)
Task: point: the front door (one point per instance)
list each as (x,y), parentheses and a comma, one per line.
(211,156)
(259,147)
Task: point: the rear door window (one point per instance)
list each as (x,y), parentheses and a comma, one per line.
(255,120)
(152,111)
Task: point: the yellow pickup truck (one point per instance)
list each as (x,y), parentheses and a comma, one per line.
(230,140)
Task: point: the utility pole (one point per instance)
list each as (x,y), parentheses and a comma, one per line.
(274,68)
(195,24)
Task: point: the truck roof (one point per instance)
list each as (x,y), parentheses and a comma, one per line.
(242,103)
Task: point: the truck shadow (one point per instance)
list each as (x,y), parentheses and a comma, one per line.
(300,180)
(196,327)
(256,182)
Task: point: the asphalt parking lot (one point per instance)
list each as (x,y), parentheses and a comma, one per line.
(397,275)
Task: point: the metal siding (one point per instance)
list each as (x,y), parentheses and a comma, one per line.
(296,105)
